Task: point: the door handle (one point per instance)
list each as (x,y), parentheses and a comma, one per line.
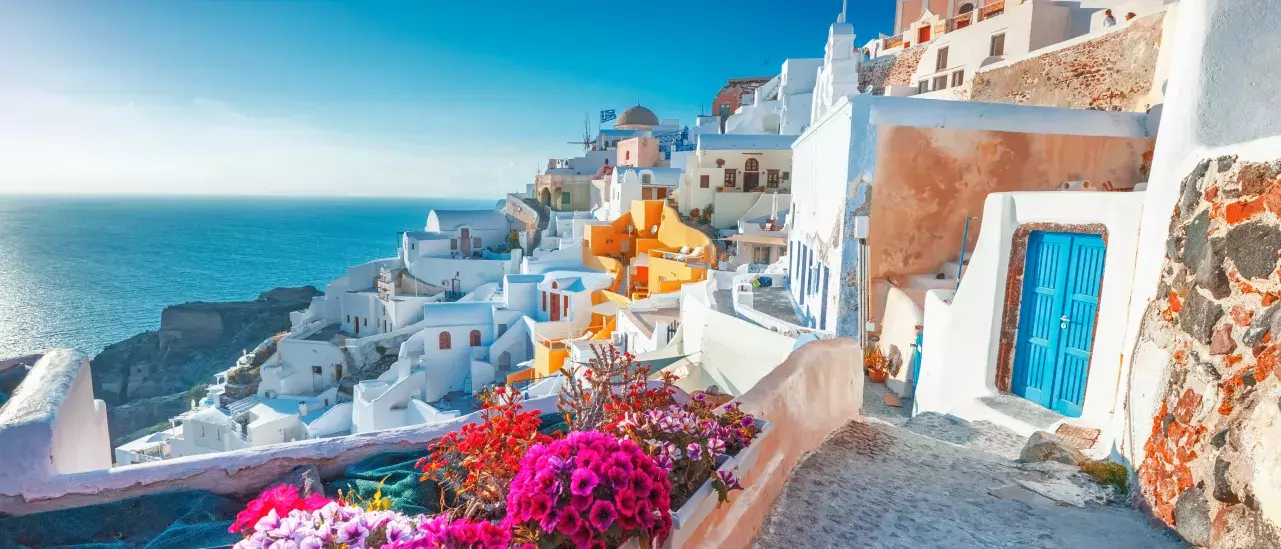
(1064,320)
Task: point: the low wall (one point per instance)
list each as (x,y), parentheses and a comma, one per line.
(815,391)
(242,472)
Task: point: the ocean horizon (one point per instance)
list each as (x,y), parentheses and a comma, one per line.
(88,271)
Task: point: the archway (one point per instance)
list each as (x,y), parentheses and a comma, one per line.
(504,361)
(545,197)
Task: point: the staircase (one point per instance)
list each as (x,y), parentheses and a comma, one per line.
(543,215)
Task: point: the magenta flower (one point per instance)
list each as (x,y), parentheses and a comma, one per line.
(568,521)
(729,479)
(625,502)
(583,482)
(602,515)
(539,506)
(716,446)
(694,451)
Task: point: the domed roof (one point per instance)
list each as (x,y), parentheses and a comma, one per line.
(637,116)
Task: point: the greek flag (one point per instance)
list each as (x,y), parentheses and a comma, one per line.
(607,115)
(670,137)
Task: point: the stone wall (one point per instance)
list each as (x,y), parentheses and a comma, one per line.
(1213,461)
(1114,71)
(893,70)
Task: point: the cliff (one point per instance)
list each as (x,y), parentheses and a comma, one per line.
(144,379)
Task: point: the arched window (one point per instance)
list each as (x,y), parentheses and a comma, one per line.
(752,165)
(966,8)
(444,341)
(554,286)
(475,338)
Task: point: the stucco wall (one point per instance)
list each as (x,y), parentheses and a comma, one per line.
(812,393)
(1112,70)
(964,337)
(931,179)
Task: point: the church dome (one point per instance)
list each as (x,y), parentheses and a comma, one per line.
(637,116)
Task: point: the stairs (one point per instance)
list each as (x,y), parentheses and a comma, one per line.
(543,215)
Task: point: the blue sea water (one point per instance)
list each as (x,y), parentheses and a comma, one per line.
(86,272)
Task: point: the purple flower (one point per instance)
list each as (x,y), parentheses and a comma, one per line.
(694,451)
(641,483)
(311,542)
(731,482)
(747,421)
(699,396)
(716,446)
(352,533)
(568,521)
(619,477)
(601,516)
(581,503)
(583,482)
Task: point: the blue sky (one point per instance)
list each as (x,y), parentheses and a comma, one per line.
(386,98)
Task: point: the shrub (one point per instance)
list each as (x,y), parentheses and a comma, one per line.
(478,462)
(611,386)
(589,489)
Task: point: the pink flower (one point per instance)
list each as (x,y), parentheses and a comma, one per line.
(641,483)
(568,521)
(539,506)
(625,502)
(602,515)
(583,482)
(619,478)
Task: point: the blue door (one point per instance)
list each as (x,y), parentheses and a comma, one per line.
(1061,284)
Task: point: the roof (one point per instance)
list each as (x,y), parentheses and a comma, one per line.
(426,235)
(450,220)
(462,313)
(212,416)
(622,133)
(524,278)
(637,115)
(758,239)
(745,142)
(579,281)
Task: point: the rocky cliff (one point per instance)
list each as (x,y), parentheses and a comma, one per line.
(144,379)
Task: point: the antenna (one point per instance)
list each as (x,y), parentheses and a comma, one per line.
(844,6)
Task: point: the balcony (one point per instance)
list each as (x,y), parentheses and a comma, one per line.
(892,42)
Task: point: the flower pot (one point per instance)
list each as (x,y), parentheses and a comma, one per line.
(687,519)
(877,376)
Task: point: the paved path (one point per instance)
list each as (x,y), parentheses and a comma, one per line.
(889,483)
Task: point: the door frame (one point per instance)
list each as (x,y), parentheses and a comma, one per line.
(1014,296)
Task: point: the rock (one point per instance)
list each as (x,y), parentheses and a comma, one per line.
(1045,446)
(1195,239)
(1261,324)
(1239,527)
(1199,315)
(1255,178)
(1226,162)
(1191,191)
(895,358)
(1210,273)
(1221,343)
(1220,439)
(306,478)
(1252,247)
(195,341)
(1192,516)
(1225,489)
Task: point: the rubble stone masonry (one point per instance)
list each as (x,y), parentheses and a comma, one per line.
(1213,462)
(1113,72)
(895,70)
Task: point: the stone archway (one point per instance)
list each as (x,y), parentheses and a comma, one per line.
(545,196)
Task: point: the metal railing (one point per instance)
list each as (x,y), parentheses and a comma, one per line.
(892,42)
(961,21)
(991,10)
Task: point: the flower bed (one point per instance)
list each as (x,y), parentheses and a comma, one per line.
(632,455)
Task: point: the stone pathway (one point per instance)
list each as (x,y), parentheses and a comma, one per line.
(935,481)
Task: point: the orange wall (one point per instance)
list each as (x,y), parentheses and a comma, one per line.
(929,179)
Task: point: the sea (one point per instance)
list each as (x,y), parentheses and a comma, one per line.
(88,271)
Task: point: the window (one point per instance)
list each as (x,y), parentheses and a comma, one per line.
(366,322)
(566,307)
(544,302)
(646,179)
(475,242)
(923,86)
(627,155)
(731,177)
(411,245)
(502,329)
(315,370)
(564,199)
(349,319)
(475,338)
(940,82)
(958,78)
(724,109)
(453,243)
(941,61)
(752,165)
(787,176)
(444,341)
(771,178)
(998,45)
(704,181)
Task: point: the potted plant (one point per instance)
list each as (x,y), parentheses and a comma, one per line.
(878,368)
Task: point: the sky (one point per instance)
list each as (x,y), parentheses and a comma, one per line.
(368,98)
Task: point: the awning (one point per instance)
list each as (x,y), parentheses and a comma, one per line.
(757,239)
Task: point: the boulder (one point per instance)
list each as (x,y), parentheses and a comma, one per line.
(1046,446)
(1192,516)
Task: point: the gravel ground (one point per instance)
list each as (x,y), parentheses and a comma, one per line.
(928,482)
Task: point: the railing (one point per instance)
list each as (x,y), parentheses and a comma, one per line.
(991,10)
(961,21)
(892,42)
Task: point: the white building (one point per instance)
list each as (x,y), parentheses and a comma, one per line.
(729,172)
(627,184)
